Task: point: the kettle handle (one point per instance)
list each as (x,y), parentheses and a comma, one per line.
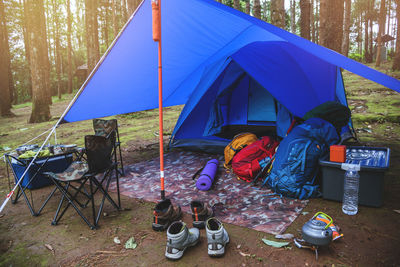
(326,215)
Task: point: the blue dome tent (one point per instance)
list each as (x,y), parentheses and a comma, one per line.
(227,67)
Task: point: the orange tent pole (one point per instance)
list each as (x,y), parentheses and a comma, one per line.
(156,13)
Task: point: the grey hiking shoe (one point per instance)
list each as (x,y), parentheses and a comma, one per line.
(179,237)
(217,237)
(165,214)
(200,213)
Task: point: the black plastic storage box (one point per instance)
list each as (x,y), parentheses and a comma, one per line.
(54,164)
(374,161)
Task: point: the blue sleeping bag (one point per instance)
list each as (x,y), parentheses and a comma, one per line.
(296,160)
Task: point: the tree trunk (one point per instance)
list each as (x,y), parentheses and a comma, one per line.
(396,60)
(305,19)
(39,61)
(382,19)
(11,87)
(367,55)
(132,5)
(248,7)
(312,21)
(106,24)
(236,5)
(26,46)
(5,100)
(92,35)
(114,18)
(124,11)
(317,22)
(346,34)
(257,9)
(331,28)
(278,13)
(57,51)
(293,16)
(69,49)
(371,32)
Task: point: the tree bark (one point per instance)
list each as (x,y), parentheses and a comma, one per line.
(381,31)
(114,18)
(346,27)
(278,13)
(331,27)
(132,5)
(312,21)
(69,49)
(293,16)
(396,60)
(317,22)
(92,35)
(367,54)
(5,100)
(247,7)
(11,87)
(257,9)
(236,5)
(305,19)
(57,52)
(39,61)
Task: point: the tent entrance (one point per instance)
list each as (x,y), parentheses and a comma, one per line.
(241,105)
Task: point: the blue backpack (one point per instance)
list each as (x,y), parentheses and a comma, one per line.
(296,160)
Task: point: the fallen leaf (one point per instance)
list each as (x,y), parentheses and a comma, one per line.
(49,247)
(274,243)
(1,215)
(398,211)
(131,243)
(238,246)
(244,254)
(116,240)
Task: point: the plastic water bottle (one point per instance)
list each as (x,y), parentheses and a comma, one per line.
(350,190)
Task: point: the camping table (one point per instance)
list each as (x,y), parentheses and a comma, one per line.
(34,179)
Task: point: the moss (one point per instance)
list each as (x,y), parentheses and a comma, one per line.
(20,255)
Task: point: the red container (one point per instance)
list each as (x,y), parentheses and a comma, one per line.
(337,153)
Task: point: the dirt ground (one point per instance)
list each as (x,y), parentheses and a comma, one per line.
(371,238)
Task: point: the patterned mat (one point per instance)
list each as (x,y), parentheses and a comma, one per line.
(235,201)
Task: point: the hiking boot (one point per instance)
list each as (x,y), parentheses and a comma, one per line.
(217,237)
(165,214)
(179,237)
(201,212)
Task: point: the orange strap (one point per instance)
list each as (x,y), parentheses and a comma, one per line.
(195,214)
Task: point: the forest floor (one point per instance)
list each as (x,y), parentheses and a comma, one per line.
(371,238)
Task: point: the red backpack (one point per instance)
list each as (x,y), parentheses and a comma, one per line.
(246,163)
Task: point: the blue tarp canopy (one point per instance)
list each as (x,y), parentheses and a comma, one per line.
(199,39)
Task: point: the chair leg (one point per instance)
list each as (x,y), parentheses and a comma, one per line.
(92,199)
(70,202)
(118,195)
(122,164)
(105,195)
(73,197)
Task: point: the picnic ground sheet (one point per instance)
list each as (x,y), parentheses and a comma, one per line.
(234,201)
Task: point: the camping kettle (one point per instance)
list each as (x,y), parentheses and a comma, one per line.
(317,231)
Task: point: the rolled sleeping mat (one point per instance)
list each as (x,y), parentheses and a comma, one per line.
(207,175)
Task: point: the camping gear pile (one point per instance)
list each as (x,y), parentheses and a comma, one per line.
(290,166)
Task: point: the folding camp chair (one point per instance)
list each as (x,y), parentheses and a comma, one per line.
(99,160)
(109,129)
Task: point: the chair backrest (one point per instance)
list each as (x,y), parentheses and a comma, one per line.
(105,128)
(99,153)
